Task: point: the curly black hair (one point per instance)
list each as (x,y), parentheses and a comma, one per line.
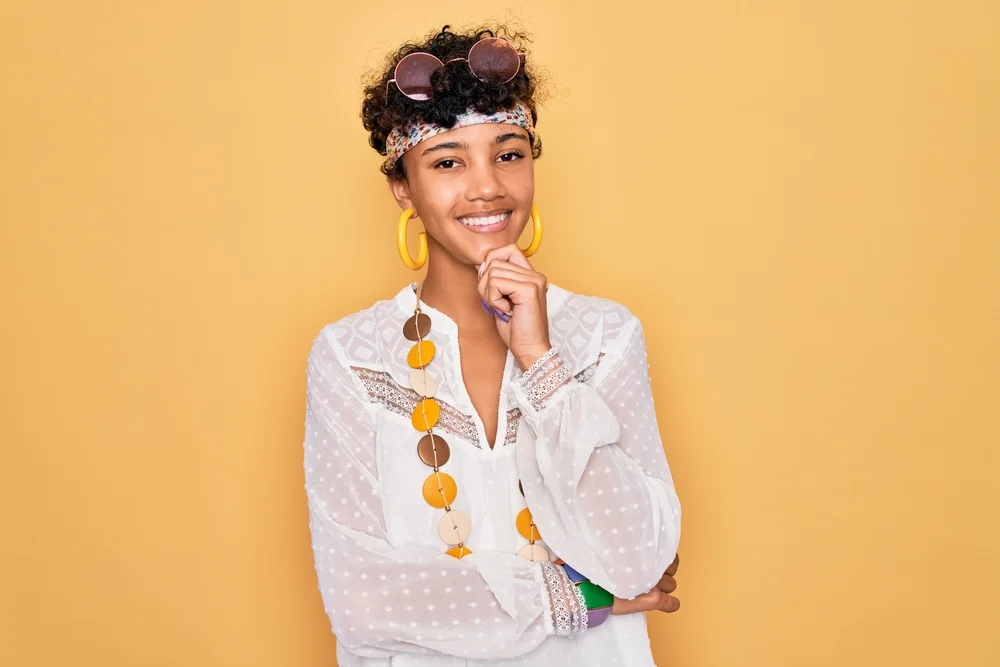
(456,89)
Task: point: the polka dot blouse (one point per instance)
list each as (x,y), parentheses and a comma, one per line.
(578,430)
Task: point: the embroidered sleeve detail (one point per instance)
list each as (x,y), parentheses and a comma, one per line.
(556,582)
(544,378)
(514,414)
(587,374)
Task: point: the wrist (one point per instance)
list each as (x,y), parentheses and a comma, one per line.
(541,382)
(526,358)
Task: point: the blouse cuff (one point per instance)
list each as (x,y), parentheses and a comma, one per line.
(543,379)
(568,616)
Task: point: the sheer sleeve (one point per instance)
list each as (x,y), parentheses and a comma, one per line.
(383,600)
(593,468)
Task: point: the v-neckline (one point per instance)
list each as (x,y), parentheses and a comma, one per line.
(499,438)
(406,300)
(456,379)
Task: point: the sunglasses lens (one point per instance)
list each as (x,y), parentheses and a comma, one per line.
(413,75)
(494,58)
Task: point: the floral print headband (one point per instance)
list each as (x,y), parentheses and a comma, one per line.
(403,139)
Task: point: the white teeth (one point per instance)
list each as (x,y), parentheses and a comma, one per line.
(482,222)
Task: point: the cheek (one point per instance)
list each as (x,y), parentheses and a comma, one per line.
(436,199)
(521,182)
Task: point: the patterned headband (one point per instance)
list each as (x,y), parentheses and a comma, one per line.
(401,140)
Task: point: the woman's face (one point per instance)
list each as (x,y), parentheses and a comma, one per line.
(472,187)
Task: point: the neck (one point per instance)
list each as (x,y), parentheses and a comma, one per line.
(451,287)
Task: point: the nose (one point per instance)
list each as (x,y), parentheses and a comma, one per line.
(484,181)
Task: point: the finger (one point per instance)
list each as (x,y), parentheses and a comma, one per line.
(498,264)
(672,570)
(518,291)
(519,275)
(515,274)
(669,604)
(510,269)
(503,269)
(509,253)
(667,584)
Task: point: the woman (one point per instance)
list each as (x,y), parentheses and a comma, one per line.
(436,418)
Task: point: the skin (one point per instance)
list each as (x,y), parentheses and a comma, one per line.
(450,178)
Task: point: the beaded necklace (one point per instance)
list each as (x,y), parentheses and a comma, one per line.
(440,489)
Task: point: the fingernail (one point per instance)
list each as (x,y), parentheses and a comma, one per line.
(486,306)
(482,267)
(502,315)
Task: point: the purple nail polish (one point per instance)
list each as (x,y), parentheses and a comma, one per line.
(486,306)
(502,315)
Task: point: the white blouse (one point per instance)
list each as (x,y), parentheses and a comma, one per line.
(578,430)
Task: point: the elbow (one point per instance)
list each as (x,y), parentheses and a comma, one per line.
(645,552)
(356,626)
(362,631)
(365,635)
(351,632)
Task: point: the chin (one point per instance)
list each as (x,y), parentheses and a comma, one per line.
(487,247)
(490,242)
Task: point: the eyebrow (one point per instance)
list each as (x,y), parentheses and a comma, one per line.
(507,136)
(447,145)
(451,145)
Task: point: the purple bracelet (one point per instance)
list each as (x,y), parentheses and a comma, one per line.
(597,616)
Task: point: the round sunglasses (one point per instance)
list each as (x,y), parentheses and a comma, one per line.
(489,58)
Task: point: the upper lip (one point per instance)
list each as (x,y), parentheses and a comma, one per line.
(485,214)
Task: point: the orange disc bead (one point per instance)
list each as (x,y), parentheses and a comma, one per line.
(526,527)
(420,354)
(458,552)
(426,415)
(440,489)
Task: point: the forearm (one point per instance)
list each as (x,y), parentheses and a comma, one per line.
(594,473)
(382,601)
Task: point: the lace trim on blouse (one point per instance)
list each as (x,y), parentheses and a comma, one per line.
(566,621)
(581,606)
(513,421)
(544,378)
(383,389)
(514,415)
(402,400)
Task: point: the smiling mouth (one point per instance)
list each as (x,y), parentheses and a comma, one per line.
(484,221)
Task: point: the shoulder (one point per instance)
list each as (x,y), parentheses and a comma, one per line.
(609,316)
(359,338)
(588,328)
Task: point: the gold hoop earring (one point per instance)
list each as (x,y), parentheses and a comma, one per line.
(536,237)
(404,252)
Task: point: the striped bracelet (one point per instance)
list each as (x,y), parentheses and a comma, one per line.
(598,600)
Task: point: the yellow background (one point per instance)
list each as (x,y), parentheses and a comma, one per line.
(799,199)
